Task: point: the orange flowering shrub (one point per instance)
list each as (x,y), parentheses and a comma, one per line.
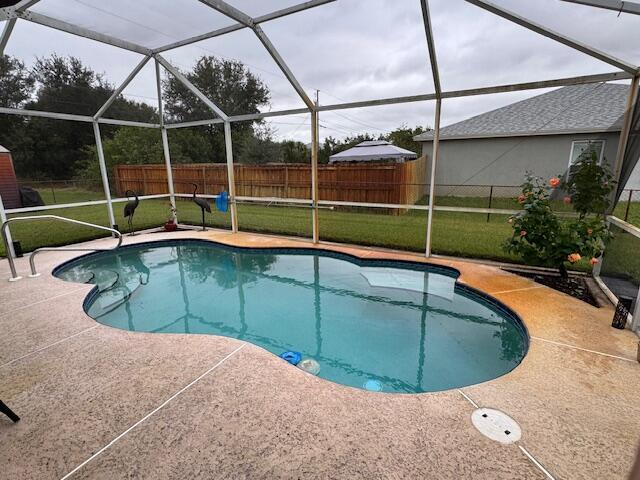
(540,237)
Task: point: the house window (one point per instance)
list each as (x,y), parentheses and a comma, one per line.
(581,146)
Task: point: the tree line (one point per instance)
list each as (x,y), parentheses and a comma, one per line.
(45,148)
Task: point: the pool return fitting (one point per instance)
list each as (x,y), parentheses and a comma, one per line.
(7,248)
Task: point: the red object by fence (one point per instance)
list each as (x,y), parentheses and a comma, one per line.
(8,182)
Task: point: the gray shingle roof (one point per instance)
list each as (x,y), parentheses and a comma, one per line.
(577,108)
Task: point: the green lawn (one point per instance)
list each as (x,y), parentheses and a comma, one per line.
(621,259)
(457,234)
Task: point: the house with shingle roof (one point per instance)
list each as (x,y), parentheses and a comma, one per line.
(542,134)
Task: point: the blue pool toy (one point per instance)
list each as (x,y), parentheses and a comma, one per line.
(222,202)
(292,357)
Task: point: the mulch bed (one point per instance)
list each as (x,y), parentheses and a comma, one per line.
(575,285)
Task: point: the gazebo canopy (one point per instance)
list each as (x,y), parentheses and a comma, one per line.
(372,150)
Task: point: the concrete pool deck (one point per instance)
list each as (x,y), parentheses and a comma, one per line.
(97,402)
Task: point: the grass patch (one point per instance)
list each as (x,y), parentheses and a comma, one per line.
(458,234)
(620,260)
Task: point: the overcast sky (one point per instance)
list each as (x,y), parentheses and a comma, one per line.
(348,50)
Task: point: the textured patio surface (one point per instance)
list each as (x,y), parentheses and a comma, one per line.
(97,402)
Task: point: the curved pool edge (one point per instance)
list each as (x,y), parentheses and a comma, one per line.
(355,259)
(327,251)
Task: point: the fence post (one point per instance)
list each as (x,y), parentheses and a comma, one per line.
(53,192)
(626,213)
(490,200)
(145,189)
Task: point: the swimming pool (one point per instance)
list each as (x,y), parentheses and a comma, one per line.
(379,325)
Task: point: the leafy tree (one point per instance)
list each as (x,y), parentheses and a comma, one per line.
(328,148)
(540,237)
(16,86)
(260,149)
(403,137)
(295,152)
(142,146)
(227,83)
(65,85)
(589,185)
(55,148)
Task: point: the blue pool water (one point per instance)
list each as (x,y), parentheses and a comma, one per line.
(377,325)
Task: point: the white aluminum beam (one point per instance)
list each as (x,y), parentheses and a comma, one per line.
(80,204)
(22,5)
(580,80)
(228,145)
(176,73)
(246,20)
(74,118)
(315,140)
(432,176)
(239,118)
(39,113)
(194,123)
(198,38)
(81,31)
(625,131)
(103,174)
(165,143)
(561,82)
(159,92)
(378,102)
(283,66)
(339,203)
(426,19)
(239,26)
(6,33)
(558,37)
(259,116)
(167,163)
(127,123)
(615,5)
(229,11)
(119,90)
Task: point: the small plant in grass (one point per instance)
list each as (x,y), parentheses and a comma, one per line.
(589,186)
(540,237)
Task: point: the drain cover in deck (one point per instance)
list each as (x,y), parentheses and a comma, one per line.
(496,425)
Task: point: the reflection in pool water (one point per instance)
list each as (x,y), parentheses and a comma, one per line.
(389,326)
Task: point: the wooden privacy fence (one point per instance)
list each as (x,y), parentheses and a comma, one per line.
(399,183)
